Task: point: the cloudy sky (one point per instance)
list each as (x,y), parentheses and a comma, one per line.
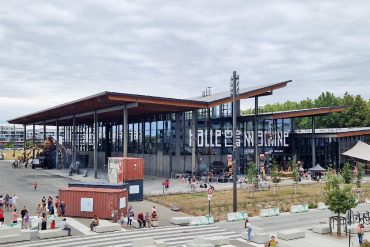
(56,51)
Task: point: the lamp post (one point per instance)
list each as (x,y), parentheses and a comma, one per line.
(234,90)
(360,218)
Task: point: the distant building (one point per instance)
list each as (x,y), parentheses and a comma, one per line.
(15,134)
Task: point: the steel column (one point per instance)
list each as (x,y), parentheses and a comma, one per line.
(24,141)
(194,141)
(125,132)
(255,135)
(96,136)
(33,141)
(44,130)
(313,146)
(57,145)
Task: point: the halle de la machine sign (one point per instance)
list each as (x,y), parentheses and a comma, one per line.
(243,138)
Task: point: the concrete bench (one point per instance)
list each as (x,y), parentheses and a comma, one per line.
(321,229)
(299,208)
(269,212)
(105,226)
(201,220)
(135,223)
(217,240)
(155,223)
(148,242)
(55,233)
(182,221)
(237,216)
(291,234)
(259,238)
(321,206)
(199,242)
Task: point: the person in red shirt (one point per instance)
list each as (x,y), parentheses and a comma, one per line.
(52,225)
(140,219)
(1,216)
(15,216)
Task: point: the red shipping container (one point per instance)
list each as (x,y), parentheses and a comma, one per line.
(122,169)
(86,202)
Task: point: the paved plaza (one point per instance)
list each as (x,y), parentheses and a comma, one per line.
(20,181)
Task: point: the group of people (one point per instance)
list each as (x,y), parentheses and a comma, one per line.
(8,202)
(143,220)
(50,207)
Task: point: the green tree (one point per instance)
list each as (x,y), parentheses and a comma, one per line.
(360,174)
(295,172)
(347,173)
(251,173)
(275,176)
(339,200)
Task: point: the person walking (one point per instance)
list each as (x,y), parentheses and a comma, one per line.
(44,221)
(23,213)
(249,228)
(15,216)
(360,233)
(39,210)
(14,201)
(62,208)
(26,220)
(1,216)
(130,215)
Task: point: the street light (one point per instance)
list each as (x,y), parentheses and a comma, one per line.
(234,90)
(360,218)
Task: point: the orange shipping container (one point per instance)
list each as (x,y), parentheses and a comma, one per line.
(86,202)
(122,169)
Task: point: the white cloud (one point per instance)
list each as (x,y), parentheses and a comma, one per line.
(57,51)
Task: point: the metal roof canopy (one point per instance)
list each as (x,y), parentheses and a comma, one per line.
(110,105)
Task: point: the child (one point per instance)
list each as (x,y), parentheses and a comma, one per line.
(35,185)
(52,225)
(273,242)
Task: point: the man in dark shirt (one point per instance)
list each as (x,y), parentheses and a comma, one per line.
(23,213)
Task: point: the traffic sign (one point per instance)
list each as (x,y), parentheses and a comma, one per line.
(210,191)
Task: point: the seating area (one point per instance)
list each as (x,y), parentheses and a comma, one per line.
(148,242)
(291,234)
(201,220)
(237,216)
(181,221)
(106,226)
(321,229)
(299,208)
(321,206)
(269,212)
(13,233)
(259,236)
(54,233)
(209,241)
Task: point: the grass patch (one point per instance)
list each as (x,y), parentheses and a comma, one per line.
(252,202)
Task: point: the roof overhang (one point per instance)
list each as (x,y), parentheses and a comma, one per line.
(308,112)
(109,106)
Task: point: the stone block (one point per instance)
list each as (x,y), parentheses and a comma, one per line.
(291,234)
(107,227)
(321,229)
(217,240)
(55,233)
(182,221)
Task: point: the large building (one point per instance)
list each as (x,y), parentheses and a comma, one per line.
(179,135)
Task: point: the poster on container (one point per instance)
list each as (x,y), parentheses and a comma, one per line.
(113,167)
(115,170)
(122,202)
(87,204)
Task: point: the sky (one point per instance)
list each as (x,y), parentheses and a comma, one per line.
(55,51)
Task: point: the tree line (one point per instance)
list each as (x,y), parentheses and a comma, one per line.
(356,114)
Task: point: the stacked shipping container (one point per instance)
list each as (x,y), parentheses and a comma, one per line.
(130,171)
